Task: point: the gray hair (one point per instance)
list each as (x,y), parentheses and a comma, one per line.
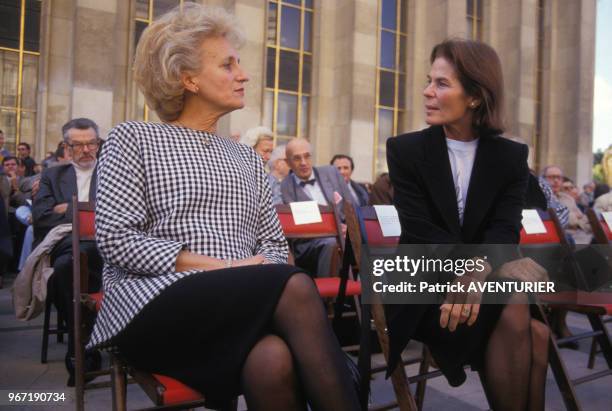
(169,47)
(79,124)
(277,154)
(255,135)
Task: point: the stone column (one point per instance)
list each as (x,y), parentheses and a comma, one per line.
(569,112)
(94,40)
(55,87)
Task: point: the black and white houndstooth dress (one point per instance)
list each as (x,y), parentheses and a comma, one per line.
(164,188)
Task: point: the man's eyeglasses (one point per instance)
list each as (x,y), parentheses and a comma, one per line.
(554,177)
(92,146)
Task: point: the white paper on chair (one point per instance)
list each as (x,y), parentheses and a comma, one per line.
(305,212)
(532,223)
(607,215)
(389,220)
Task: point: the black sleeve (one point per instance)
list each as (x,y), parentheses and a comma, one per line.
(43,203)
(504,226)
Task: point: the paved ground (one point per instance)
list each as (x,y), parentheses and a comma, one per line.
(20,369)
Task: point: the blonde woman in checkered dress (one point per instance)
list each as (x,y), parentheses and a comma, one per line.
(195,278)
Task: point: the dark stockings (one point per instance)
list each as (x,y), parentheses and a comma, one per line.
(516,360)
(305,354)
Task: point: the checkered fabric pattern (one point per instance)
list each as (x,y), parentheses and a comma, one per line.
(162,189)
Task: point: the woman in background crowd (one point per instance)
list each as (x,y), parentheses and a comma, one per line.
(262,141)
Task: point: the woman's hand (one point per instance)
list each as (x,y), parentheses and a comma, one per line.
(186,260)
(459,308)
(255,260)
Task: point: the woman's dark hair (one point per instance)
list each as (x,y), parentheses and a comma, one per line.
(479,70)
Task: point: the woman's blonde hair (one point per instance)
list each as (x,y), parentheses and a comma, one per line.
(170,46)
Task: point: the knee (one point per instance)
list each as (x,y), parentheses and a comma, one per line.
(515,319)
(301,289)
(271,361)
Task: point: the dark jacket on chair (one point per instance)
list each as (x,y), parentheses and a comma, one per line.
(424,195)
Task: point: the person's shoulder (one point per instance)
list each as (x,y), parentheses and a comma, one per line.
(58,168)
(52,173)
(414,139)
(130,129)
(327,169)
(506,145)
(287,180)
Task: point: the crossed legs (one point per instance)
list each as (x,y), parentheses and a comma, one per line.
(302,361)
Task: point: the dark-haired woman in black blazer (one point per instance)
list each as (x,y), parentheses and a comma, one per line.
(459,182)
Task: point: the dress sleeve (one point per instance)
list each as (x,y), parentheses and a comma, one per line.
(121,210)
(271,242)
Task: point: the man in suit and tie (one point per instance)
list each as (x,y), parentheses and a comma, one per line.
(53,206)
(324,185)
(346,166)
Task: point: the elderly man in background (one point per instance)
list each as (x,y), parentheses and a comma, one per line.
(278,171)
(322,184)
(346,166)
(53,206)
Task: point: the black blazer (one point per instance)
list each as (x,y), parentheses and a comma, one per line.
(57,186)
(424,195)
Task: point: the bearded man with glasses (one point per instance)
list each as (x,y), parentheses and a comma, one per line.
(53,207)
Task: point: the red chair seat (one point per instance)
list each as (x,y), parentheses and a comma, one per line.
(328,287)
(550,236)
(97,297)
(175,391)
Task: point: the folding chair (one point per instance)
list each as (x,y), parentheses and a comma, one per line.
(363,228)
(571,301)
(329,287)
(83,230)
(165,392)
(601,235)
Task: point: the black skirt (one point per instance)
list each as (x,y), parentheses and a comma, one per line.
(465,346)
(200,329)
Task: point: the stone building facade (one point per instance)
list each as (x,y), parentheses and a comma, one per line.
(344,73)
